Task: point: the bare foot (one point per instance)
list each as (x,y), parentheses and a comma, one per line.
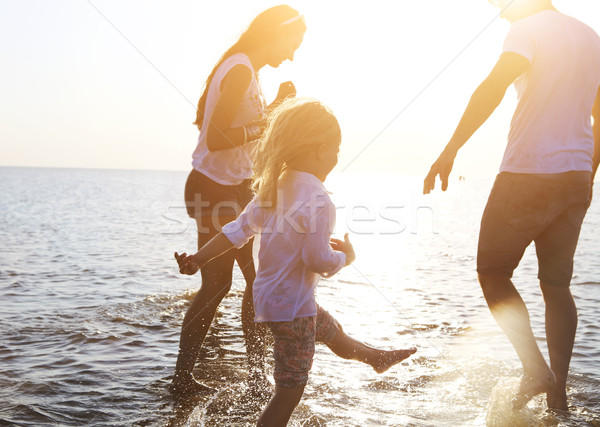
(388,358)
(188,385)
(532,386)
(557,401)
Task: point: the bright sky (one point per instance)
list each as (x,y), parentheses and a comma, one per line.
(75,93)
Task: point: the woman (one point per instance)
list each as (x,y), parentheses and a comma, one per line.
(230,117)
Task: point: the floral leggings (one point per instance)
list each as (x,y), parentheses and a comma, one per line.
(294,345)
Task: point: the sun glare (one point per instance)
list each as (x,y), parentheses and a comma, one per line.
(397,74)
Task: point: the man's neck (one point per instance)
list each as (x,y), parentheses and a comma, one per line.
(547,7)
(541,8)
(527,13)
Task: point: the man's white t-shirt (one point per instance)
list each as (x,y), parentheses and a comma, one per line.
(233,165)
(294,247)
(551,130)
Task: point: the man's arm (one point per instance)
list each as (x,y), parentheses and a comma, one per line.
(596,116)
(484,101)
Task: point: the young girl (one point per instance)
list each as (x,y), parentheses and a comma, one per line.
(295,218)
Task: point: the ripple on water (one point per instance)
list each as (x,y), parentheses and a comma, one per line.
(92,338)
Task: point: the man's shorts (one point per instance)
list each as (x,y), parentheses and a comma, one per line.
(207,198)
(294,346)
(547,209)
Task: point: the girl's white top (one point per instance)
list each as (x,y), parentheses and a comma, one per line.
(294,247)
(233,165)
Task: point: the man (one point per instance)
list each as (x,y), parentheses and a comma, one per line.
(545,181)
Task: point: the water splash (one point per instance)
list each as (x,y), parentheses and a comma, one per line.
(500,410)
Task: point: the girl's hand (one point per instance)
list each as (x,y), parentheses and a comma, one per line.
(345,247)
(187,264)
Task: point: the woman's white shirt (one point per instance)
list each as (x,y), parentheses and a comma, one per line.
(233,165)
(294,247)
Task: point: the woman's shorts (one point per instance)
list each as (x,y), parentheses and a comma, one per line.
(294,346)
(547,209)
(207,198)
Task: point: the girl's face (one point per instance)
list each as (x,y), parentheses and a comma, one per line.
(328,154)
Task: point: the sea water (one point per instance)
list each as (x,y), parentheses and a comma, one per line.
(92,304)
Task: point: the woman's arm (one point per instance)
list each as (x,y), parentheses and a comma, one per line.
(221,135)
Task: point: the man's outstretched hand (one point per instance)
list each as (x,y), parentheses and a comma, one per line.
(442,167)
(187,264)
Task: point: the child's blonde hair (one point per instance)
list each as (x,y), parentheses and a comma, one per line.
(295,127)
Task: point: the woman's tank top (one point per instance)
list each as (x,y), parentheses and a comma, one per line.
(233,165)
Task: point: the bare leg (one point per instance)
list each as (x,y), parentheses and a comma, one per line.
(510,312)
(280,407)
(253,332)
(561,326)
(216,282)
(347,347)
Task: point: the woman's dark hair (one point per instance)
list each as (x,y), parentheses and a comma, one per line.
(261,31)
